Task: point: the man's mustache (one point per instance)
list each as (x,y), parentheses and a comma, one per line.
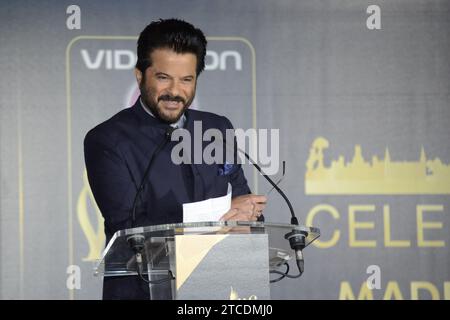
(168,97)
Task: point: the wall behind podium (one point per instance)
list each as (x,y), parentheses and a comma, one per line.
(363,114)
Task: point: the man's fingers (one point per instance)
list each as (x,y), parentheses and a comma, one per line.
(251,209)
(259,207)
(246,208)
(229,214)
(258,198)
(242,217)
(236,215)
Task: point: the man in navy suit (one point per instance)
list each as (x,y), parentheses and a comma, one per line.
(171,55)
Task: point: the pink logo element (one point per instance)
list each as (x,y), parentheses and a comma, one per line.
(132,96)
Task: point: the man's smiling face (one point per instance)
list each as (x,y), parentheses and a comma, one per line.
(168,85)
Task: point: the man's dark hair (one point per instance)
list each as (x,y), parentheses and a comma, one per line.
(177,35)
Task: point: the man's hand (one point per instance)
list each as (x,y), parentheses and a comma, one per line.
(247,207)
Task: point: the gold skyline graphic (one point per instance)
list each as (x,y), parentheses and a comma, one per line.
(378,176)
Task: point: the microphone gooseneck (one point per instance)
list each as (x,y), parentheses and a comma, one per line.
(136,241)
(158,149)
(294,219)
(296,238)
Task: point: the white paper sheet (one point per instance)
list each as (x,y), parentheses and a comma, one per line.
(207,210)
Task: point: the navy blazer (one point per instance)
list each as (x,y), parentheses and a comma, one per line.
(117,153)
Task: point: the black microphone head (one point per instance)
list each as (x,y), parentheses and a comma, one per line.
(297,239)
(136,242)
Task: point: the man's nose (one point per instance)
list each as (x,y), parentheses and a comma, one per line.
(174,88)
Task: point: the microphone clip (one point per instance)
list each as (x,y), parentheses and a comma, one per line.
(296,239)
(136,242)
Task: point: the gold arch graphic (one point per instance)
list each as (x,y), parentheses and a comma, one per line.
(95,236)
(382,177)
(68,72)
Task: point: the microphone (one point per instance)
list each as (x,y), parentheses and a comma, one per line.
(294,219)
(296,237)
(136,241)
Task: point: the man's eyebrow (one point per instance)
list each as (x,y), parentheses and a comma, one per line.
(162,74)
(159,73)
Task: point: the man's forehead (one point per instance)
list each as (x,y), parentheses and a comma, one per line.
(167,53)
(169,61)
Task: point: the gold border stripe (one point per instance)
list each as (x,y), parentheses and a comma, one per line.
(69,121)
(69,140)
(21,201)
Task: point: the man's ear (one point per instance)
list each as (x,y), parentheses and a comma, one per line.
(138,75)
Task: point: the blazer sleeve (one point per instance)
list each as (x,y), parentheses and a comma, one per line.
(111,183)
